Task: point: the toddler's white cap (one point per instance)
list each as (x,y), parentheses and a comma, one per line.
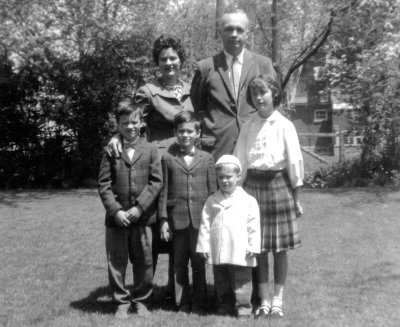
(229,159)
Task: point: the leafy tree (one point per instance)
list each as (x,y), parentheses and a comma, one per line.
(364,69)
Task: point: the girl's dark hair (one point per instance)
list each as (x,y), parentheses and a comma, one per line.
(165,42)
(262,81)
(186,117)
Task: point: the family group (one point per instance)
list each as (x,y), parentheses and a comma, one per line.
(209,173)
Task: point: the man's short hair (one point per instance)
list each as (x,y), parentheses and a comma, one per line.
(233,11)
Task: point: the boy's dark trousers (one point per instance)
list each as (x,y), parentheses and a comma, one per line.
(233,286)
(133,243)
(184,242)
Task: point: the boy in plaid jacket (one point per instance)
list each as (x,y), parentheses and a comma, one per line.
(129,187)
(189,178)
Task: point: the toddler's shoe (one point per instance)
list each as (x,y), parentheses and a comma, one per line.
(262,312)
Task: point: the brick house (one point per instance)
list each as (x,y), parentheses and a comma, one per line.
(313,110)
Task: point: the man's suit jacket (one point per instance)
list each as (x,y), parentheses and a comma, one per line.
(124,183)
(213,98)
(185,188)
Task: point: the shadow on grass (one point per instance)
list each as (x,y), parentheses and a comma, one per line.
(100,301)
(16,198)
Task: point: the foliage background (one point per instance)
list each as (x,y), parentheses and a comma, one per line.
(64,64)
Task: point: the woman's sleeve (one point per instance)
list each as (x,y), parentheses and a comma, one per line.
(295,164)
(142,97)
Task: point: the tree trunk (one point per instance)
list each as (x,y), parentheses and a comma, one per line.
(275,35)
(218,14)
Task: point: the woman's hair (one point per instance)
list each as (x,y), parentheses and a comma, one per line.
(165,42)
(186,117)
(264,81)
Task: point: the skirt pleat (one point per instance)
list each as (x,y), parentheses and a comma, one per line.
(272,190)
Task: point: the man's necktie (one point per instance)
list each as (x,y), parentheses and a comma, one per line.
(235,76)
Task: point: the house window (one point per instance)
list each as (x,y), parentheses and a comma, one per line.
(323,97)
(348,140)
(320,115)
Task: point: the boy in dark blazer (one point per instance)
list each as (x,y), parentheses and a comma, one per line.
(189,178)
(128,187)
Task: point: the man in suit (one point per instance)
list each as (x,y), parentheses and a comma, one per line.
(189,178)
(219,90)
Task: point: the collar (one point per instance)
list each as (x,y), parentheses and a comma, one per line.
(273,117)
(229,57)
(229,200)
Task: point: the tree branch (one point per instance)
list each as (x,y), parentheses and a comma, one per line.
(310,50)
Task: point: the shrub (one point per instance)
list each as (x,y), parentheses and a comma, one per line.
(355,173)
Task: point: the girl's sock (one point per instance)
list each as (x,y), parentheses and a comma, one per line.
(278,292)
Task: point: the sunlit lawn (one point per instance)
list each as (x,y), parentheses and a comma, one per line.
(53,267)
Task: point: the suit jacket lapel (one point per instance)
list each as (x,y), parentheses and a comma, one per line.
(125,157)
(196,160)
(223,71)
(138,151)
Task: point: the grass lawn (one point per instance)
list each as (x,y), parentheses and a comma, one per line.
(53,266)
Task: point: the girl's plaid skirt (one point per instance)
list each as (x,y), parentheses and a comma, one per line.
(273,192)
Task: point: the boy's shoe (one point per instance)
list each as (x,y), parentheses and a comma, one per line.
(223,312)
(122,312)
(140,309)
(198,310)
(185,308)
(262,312)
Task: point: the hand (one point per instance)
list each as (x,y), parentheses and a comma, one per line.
(114,147)
(298,209)
(134,213)
(204,255)
(166,233)
(121,218)
(250,255)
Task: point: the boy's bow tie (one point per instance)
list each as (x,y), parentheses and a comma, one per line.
(130,145)
(190,154)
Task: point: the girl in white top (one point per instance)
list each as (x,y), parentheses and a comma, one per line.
(269,151)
